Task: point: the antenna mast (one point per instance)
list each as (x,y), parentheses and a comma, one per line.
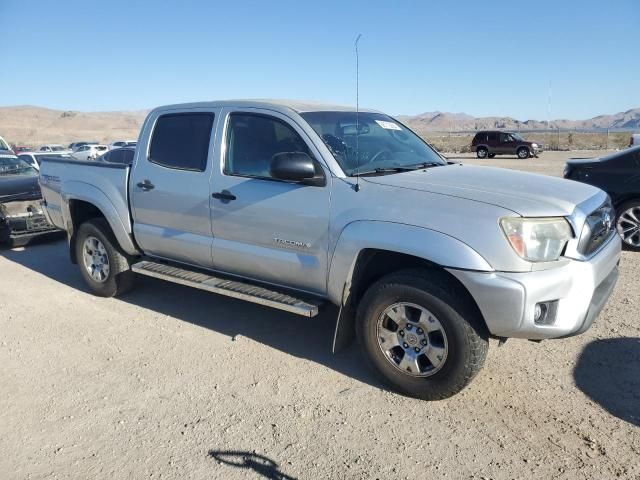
(357,187)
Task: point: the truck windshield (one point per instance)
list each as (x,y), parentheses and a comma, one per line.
(15,166)
(378,144)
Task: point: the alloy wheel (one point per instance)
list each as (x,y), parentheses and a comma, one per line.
(95,258)
(628,226)
(412,339)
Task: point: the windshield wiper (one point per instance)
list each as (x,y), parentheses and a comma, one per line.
(381,170)
(418,166)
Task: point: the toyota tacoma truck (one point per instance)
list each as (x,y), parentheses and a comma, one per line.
(296,205)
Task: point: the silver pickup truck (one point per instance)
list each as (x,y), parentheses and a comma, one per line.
(294,205)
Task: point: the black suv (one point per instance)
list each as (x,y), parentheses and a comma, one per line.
(617,174)
(492,143)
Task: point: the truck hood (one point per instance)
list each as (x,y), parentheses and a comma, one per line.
(19,187)
(526,194)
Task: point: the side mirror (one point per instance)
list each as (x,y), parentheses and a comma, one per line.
(292,166)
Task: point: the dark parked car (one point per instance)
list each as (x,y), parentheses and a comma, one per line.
(492,143)
(618,174)
(21,216)
(75,145)
(122,155)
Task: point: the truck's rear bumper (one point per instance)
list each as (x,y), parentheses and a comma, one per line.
(579,290)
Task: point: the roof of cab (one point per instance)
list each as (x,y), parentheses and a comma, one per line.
(298,106)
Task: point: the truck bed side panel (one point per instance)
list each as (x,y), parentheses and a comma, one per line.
(102,185)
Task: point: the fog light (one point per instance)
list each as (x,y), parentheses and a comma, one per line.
(545,313)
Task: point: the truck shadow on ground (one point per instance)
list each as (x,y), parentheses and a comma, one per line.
(260,464)
(309,338)
(608,371)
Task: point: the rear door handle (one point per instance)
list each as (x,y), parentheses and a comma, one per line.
(224,195)
(146,185)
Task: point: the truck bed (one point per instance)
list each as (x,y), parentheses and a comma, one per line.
(61,180)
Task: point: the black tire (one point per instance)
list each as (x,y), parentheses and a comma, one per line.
(491,155)
(627,243)
(482,152)
(120,278)
(466,334)
(523,152)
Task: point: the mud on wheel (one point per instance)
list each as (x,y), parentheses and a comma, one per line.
(421,335)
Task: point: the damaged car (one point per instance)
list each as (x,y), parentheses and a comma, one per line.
(21,215)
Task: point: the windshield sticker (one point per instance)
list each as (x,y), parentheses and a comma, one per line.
(388,125)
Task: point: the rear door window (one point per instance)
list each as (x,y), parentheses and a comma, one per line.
(181,141)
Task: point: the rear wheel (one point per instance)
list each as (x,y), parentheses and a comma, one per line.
(523,152)
(420,335)
(482,152)
(103,265)
(628,224)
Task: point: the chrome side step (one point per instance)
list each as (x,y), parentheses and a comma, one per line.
(230,288)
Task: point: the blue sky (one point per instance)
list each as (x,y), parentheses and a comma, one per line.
(478,57)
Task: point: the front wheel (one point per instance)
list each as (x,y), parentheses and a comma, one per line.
(103,265)
(523,153)
(421,335)
(628,224)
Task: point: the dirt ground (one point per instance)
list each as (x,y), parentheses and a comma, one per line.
(169,382)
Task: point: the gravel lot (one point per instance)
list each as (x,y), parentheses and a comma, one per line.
(170,382)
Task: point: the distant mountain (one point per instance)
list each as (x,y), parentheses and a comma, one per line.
(36,125)
(444,121)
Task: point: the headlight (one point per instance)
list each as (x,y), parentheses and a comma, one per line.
(537,239)
(534,145)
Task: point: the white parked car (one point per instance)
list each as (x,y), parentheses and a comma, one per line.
(634,140)
(34,158)
(52,147)
(122,143)
(89,152)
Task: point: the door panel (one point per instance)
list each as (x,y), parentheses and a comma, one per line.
(171,205)
(506,145)
(272,231)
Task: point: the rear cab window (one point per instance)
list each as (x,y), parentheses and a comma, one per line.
(181,140)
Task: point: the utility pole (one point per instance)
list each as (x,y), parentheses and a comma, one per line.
(549,108)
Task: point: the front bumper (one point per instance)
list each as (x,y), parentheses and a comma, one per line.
(581,288)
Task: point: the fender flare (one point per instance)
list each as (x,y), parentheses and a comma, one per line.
(96,197)
(431,245)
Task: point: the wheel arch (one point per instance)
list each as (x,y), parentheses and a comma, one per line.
(367,251)
(625,198)
(82,202)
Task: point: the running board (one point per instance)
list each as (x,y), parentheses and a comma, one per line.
(229,288)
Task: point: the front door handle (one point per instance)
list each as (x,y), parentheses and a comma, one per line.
(146,185)
(224,195)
